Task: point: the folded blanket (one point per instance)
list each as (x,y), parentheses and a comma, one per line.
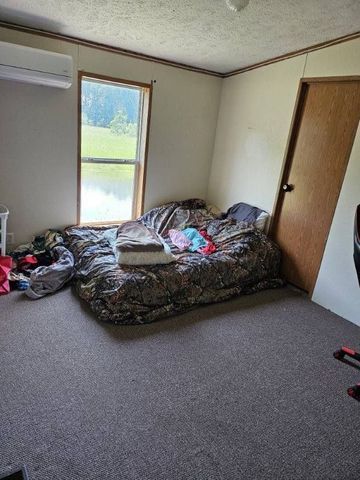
(134,236)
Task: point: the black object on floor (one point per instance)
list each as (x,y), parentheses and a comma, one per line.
(353,391)
(357,242)
(18,474)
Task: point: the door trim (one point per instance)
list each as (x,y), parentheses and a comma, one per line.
(289,150)
(290,146)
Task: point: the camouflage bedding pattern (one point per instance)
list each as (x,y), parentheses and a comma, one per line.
(246,261)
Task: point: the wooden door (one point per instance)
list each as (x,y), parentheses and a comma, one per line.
(324,127)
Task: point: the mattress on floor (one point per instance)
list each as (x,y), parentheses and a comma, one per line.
(246,261)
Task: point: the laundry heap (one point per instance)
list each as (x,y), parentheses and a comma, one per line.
(42,266)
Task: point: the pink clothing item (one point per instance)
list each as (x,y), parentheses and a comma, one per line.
(179,239)
(5,268)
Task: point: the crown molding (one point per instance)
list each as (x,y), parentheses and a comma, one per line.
(295,53)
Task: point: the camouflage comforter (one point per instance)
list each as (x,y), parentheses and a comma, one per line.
(245,261)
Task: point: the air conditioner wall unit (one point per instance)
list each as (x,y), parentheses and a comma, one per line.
(31,65)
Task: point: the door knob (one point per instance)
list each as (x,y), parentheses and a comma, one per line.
(287,187)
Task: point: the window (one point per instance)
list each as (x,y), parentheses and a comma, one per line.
(113,133)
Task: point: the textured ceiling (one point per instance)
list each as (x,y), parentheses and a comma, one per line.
(201,33)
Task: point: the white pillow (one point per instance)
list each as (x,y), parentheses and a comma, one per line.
(144,258)
(261,221)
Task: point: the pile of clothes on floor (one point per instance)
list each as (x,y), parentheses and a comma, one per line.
(38,268)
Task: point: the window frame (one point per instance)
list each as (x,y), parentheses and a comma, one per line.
(142,145)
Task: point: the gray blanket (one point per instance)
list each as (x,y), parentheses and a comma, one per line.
(49,279)
(134,236)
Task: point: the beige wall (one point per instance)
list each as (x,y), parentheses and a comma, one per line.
(253,126)
(38,136)
(337,287)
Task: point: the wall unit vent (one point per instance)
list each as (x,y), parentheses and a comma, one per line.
(31,65)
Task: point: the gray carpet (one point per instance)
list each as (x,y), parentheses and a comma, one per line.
(246,389)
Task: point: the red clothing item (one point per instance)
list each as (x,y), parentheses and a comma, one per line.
(27,262)
(210,247)
(5,268)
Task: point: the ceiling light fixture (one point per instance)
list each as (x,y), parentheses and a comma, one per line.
(236,5)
